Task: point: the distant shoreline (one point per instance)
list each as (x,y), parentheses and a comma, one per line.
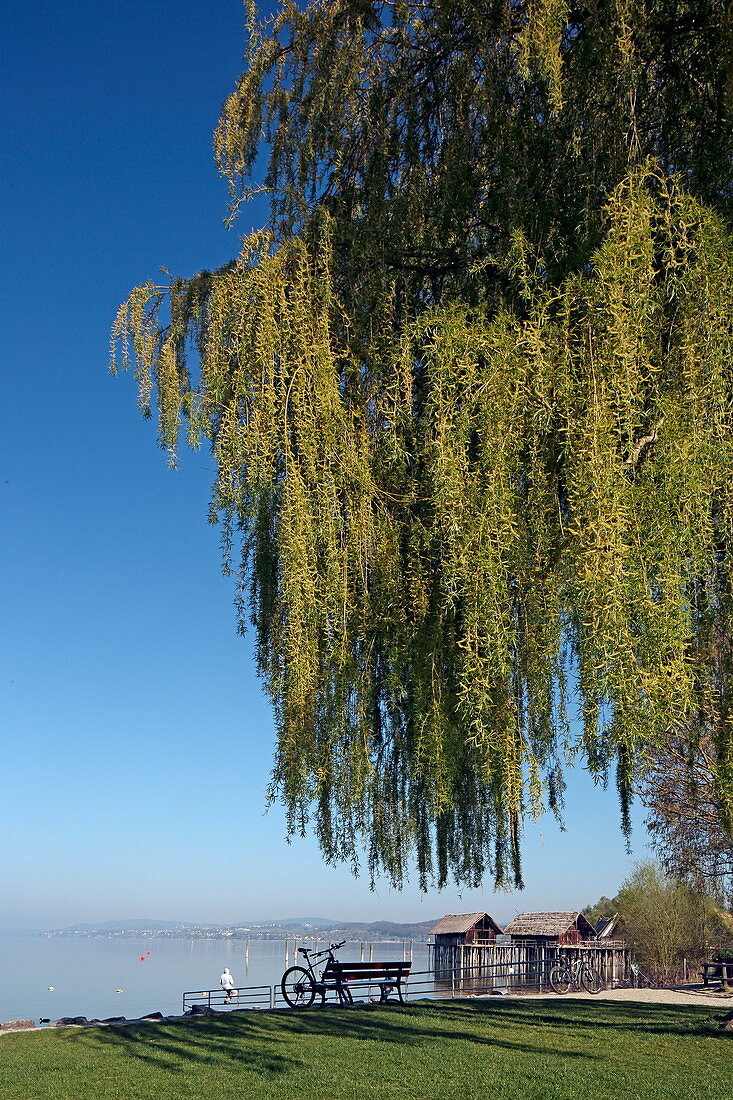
(194,934)
(350,931)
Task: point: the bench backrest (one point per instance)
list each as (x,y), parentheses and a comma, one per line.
(363,971)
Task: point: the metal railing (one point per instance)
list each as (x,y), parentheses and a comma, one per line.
(482,979)
(458,982)
(245,996)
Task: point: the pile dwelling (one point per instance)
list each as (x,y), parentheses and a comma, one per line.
(472,947)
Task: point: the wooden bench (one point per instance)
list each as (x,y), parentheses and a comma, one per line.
(721,970)
(389,976)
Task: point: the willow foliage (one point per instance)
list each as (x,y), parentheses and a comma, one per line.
(469,396)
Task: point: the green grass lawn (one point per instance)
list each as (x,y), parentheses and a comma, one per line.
(459,1050)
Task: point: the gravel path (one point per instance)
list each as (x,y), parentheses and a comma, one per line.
(682,995)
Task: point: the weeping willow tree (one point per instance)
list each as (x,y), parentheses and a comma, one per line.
(469,395)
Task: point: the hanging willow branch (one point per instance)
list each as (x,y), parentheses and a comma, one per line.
(465,471)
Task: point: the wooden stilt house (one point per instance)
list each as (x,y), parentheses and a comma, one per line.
(470,951)
(457,930)
(551,928)
(609,928)
(542,937)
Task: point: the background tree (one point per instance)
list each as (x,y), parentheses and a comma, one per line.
(679,788)
(604,907)
(469,398)
(667,921)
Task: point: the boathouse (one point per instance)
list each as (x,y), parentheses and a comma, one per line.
(457,931)
(470,951)
(459,928)
(551,928)
(609,928)
(539,938)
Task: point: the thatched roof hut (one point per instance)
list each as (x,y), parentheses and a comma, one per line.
(458,928)
(565,927)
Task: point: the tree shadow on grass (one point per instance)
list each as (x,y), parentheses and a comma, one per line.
(265,1043)
(631,1017)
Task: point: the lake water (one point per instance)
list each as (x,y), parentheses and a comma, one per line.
(85,973)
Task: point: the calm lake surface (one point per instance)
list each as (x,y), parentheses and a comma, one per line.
(85,973)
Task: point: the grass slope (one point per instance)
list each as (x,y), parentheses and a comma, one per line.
(466,1050)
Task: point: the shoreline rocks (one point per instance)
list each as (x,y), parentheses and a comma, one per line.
(83,1021)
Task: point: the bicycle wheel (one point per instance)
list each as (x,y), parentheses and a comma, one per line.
(590,979)
(298,987)
(560,979)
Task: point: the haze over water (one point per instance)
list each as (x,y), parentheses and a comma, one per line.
(86,972)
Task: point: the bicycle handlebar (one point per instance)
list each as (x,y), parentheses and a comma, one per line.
(317,954)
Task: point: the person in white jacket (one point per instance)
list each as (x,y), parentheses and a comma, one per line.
(227,984)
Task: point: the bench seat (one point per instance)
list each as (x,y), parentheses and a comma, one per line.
(720,970)
(389,976)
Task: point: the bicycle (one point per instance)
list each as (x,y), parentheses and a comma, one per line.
(579,973)
(638,979)
(300,984)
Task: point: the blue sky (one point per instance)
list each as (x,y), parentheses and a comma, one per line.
(136,741)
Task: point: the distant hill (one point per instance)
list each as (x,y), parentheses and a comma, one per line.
(385,929)
(134,924)
(295,922)
(352,930)
(321,927)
